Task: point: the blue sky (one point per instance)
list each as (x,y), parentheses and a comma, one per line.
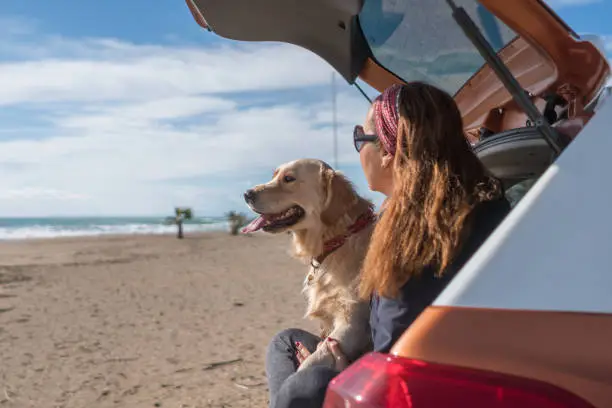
(117,107)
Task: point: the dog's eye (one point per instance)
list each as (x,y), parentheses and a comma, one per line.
(288,179)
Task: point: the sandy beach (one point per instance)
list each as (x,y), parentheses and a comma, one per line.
(143,321)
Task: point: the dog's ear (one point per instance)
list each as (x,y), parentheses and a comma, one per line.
(340,196)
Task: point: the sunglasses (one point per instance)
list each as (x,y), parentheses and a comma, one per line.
(360,138)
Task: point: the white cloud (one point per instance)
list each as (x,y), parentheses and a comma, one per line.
(141,73)
(124,120)
(145,113)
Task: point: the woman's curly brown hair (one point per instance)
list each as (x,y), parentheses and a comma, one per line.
(437,181)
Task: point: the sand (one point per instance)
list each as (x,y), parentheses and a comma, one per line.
(142,321)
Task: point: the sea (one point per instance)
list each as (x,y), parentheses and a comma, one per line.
(55,227)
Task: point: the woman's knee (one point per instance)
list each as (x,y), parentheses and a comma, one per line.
(282,346)
(285,334)
(282,339)
(290,334)
(288,337)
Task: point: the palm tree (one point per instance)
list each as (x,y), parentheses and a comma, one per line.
(236,221)
(181,214)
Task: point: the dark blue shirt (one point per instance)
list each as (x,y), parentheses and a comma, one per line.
(389,318)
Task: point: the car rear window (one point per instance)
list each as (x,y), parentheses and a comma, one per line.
(420,41)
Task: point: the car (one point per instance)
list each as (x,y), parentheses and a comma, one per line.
(527,322)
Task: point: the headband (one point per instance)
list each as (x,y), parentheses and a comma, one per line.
(386,116)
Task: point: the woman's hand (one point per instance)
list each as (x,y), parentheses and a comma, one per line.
(302,352)
(333,347)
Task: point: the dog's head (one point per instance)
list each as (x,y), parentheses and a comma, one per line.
(303,194)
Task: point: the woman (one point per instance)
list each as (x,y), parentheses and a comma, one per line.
(441,205)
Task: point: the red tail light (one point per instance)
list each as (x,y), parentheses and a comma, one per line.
(380,380)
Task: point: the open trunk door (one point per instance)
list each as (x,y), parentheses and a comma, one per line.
(388,41)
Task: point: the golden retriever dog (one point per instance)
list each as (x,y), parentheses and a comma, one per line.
(331,227)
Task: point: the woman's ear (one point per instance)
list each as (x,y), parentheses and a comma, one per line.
(387,160)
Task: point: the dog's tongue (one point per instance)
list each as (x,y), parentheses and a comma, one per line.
(255,225)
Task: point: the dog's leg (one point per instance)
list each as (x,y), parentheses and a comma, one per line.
(354,338)
(321,356)
(352,342)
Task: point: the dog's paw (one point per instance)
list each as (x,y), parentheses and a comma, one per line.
(321,357)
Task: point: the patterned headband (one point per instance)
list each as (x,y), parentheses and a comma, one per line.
(386,116)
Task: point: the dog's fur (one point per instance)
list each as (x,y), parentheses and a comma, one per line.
(330,206)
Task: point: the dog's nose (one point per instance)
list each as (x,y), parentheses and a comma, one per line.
(249,196)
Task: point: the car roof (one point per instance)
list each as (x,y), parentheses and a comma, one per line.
(546,56)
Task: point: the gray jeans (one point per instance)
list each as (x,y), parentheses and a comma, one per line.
(289,388)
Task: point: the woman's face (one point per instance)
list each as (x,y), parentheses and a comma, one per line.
(376,164)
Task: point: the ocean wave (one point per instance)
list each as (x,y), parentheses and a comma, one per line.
(57,230)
